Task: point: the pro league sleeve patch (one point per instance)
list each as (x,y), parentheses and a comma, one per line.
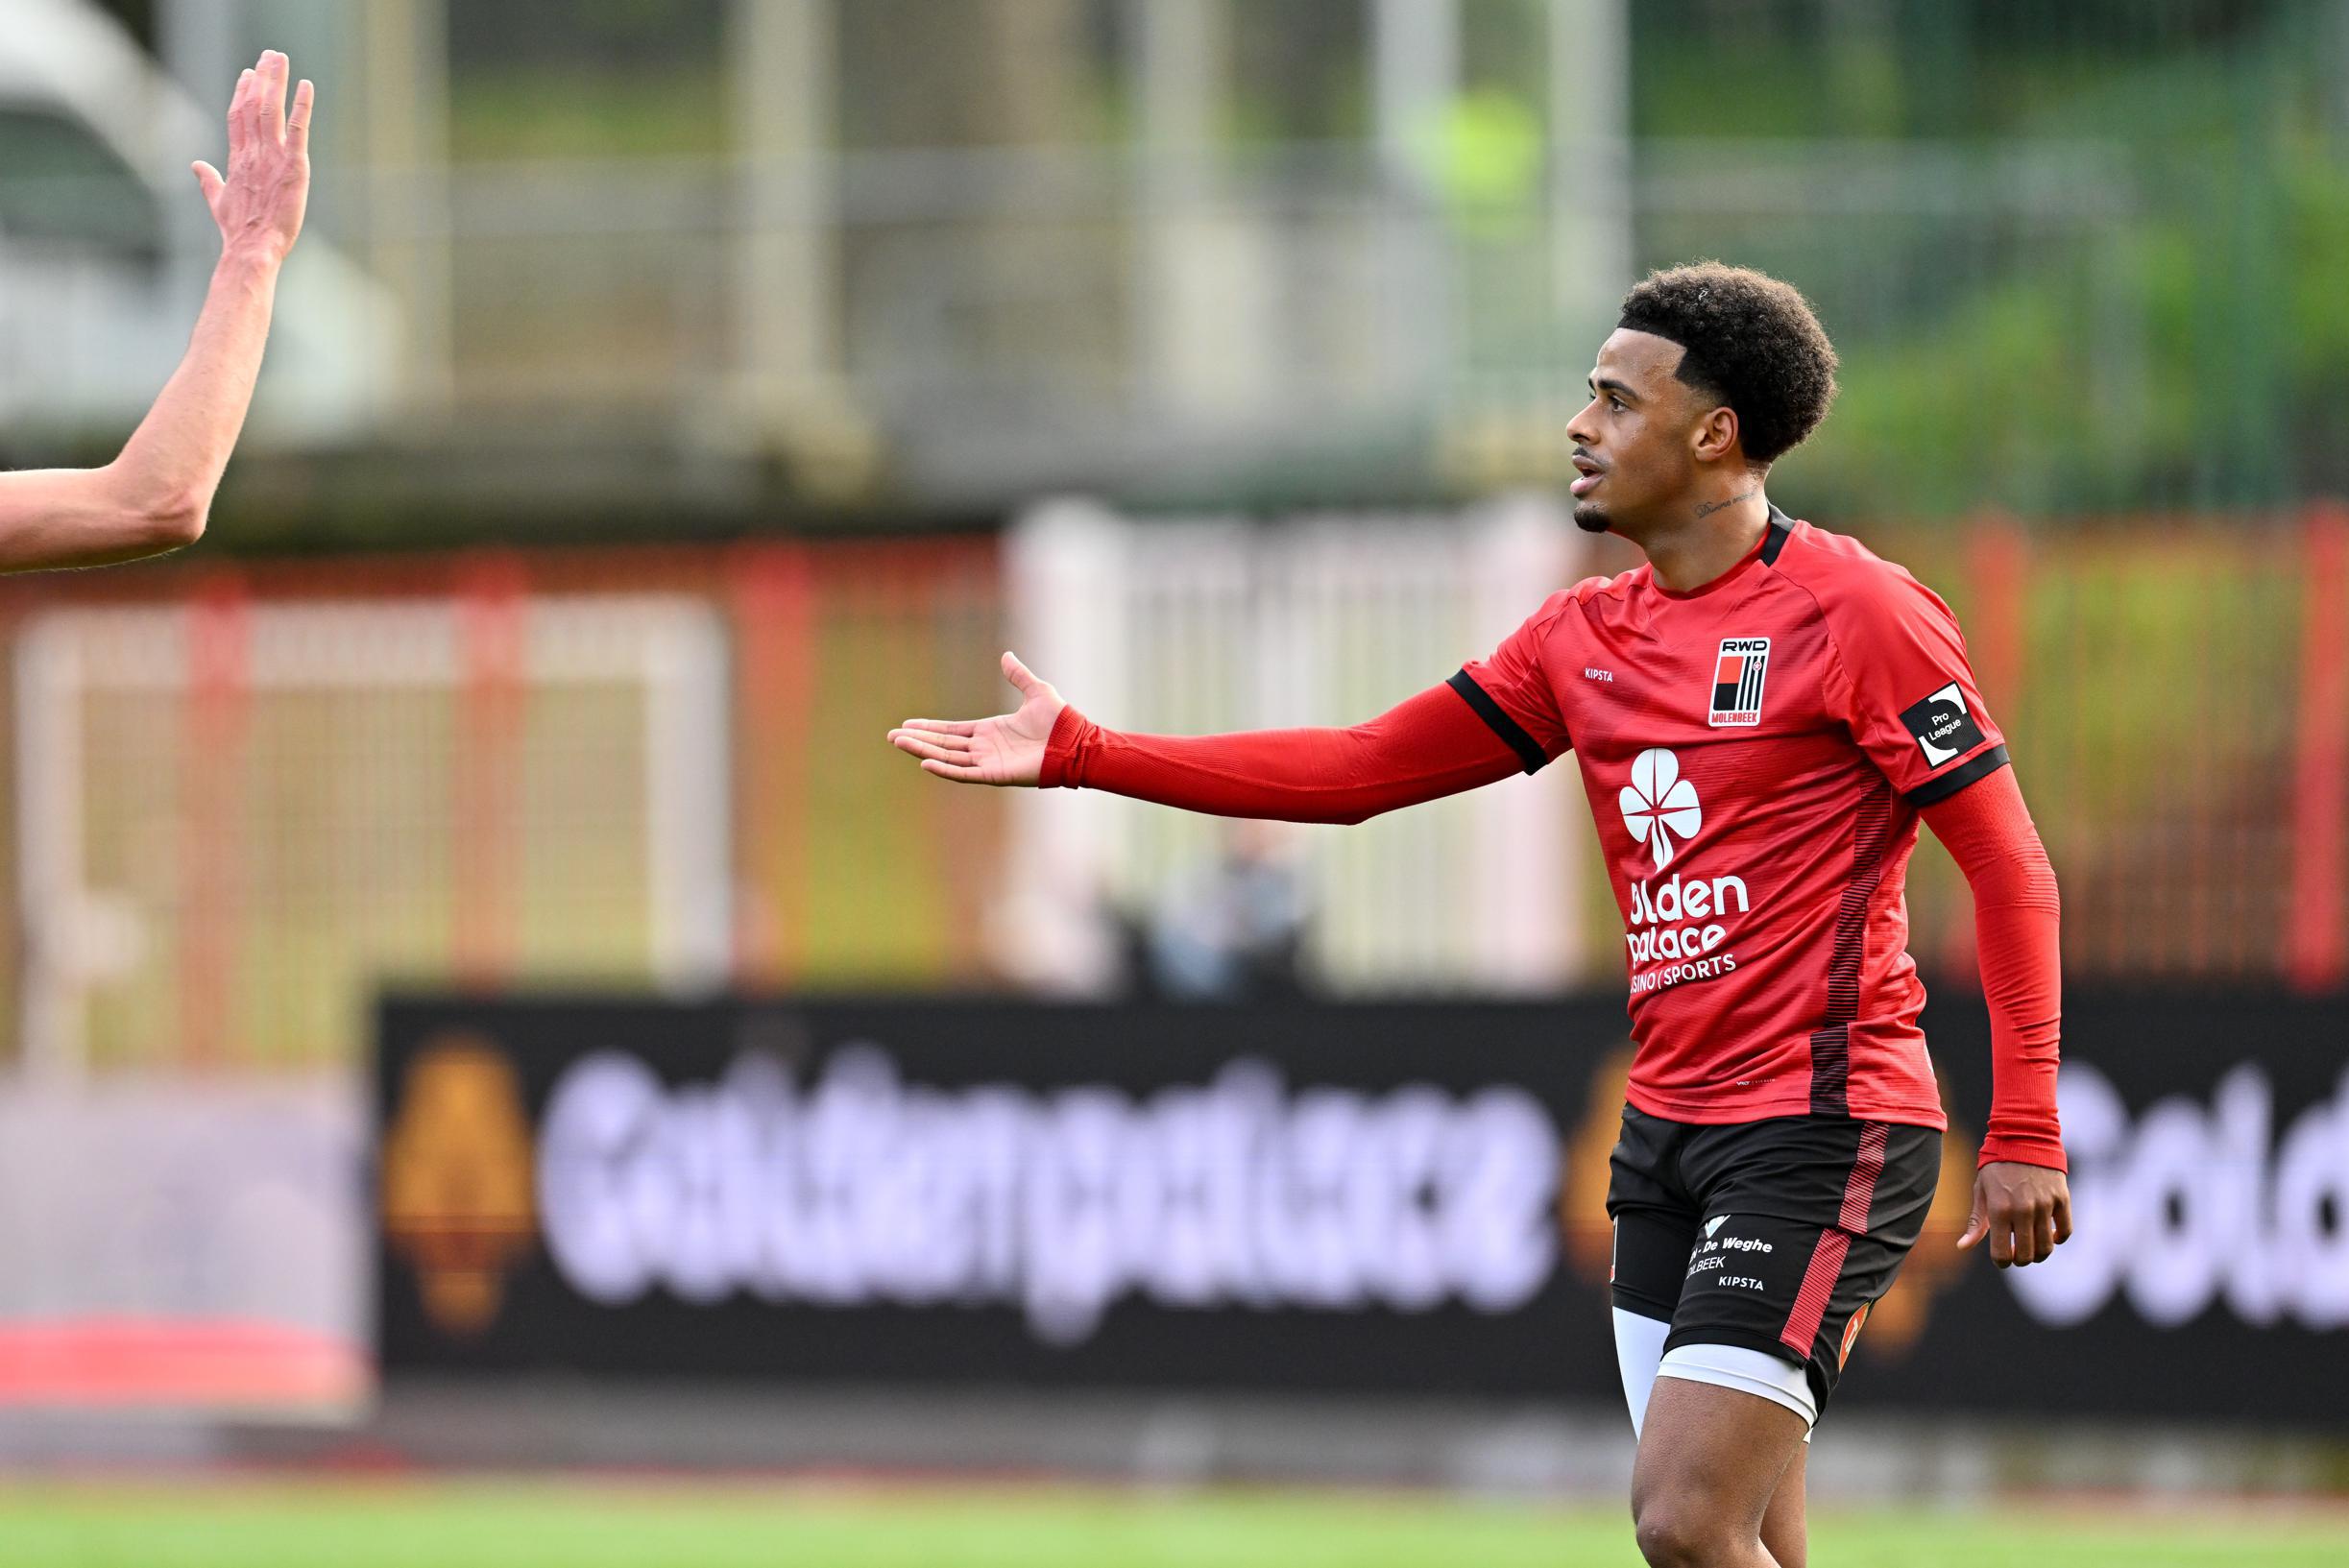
(1943,726)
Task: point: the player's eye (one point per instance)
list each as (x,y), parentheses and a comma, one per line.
(1617,404)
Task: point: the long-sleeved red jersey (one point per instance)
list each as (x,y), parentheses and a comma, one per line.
(1756,755)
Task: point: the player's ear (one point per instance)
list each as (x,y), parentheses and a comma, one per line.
(1716,433)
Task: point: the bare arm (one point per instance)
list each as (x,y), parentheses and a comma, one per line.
(158,493)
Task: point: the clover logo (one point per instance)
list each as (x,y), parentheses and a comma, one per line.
(1659,804)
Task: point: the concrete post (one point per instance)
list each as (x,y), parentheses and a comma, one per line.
(1590,172)
(1204,337)
(1414,76)
(787,285)
(409,221)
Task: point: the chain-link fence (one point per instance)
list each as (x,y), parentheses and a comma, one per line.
(241,806)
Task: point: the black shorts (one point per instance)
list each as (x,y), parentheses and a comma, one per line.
(1777,1236)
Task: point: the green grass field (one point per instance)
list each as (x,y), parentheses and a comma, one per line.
(585,1524)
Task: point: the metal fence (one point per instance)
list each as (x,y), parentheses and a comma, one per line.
(240,804)
(2176,695)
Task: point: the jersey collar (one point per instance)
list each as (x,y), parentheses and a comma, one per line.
(1774,540)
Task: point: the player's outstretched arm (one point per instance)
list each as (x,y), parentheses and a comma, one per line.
(158,493)
(1429,746)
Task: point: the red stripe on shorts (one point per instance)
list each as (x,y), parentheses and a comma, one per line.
(1860,1189)
(1827,1258)
(1818,1284)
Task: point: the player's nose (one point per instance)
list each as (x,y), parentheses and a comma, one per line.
(1582,429)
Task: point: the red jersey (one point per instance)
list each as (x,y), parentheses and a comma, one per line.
(1756,753)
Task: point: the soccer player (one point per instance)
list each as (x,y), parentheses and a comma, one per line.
(1762,714)
(156,496)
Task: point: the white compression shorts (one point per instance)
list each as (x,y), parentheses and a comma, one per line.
(1641,1359)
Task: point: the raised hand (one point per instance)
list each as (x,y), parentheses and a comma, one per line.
(1004,750)
(260,202)
(2025,1210)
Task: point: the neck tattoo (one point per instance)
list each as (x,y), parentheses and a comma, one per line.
(1706,509)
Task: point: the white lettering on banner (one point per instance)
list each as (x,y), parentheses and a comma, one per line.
(863,1188)
(2194,1205)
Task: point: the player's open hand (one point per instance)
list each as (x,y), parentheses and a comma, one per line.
(260,202)
(2025,1210)
(1007,750)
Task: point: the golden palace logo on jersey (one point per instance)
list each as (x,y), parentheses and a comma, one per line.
(1659,807)
(1676,922)
(1682,912)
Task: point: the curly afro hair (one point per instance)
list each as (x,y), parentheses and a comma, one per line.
(1751,341)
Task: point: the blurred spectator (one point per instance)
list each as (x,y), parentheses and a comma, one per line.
(1233,931)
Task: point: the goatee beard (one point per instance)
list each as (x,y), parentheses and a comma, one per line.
(1590,518)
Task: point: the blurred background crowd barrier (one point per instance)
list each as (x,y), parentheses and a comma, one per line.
(246,795)
(673,395)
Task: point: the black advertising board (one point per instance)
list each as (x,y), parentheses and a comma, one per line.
(1402,1199)
(982,1192)
(2208,1278)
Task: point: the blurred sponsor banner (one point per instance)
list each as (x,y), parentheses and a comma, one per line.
(1384,1198)
(982,1192)
(2208,1275)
